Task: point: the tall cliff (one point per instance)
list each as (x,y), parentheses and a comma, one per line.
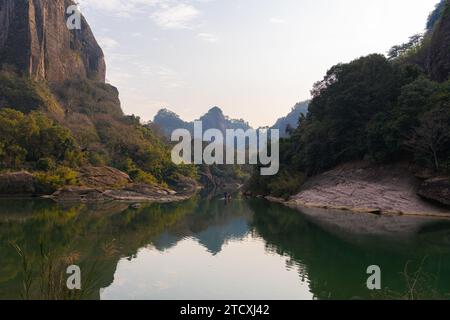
(438,61)
(35,39)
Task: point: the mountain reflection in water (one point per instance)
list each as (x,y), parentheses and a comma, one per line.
(211,249)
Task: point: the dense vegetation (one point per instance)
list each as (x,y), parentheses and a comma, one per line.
(215,175)
(76,124)
(287,124)
(169,121)
(374,108)
(35,141)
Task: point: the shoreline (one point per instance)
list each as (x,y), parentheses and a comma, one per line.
(361,187)
(298,205)
(95,185)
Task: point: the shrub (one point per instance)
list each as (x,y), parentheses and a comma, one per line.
(49,182)
(45,164)
(141,176)
(286,184)
(34,138)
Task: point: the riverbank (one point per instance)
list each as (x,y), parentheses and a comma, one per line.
(97,184)
(364,188)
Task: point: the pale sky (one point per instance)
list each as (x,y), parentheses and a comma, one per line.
(253,58)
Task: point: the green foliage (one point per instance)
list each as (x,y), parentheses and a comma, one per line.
(137,150)
(371,108)
(48,182)
(137,174)
(19,92)
(430,139)
(410,48)
(98,157)
(186,170)
(92,121)
(345,103)
(386,132)
(286,184)
(30,139)
(25,95)
(289,123)
(45,164)
(89,97)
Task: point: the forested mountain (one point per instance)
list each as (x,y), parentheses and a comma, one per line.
(57,114)
(375,108)
(169,121)
(287,124)
(213,176)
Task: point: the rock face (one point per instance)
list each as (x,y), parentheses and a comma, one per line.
(130,193)
(436,189)
(362,187)
(185,185)
(17,183)
(103,177)
(103,184)
(35,39)
(438,62)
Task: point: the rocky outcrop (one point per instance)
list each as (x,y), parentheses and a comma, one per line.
(102,184)
(103,177)
(131,193)
(436,189)
(184,185)
(361,187)
(96,185)
(17,184)
(438,61)
(35,39)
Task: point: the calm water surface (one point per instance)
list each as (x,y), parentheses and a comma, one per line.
(208,249)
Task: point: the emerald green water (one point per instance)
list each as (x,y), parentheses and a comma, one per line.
(205,248)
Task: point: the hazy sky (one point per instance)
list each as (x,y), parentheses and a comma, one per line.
(253,58)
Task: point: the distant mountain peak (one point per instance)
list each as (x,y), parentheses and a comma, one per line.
(216,110)
(169,121)
(167,113)
(292,119)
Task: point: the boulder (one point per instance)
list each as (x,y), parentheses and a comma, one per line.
(17,183)
(438,61)
(103,177)
(78,194)
(184,185)
(150,190)
(130,193)
(436,190)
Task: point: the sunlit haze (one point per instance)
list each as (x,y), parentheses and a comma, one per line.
(253,58)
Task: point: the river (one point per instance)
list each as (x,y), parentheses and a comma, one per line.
(206,248)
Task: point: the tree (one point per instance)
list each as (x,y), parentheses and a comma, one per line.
(414,43)
(432,136)
(32,137)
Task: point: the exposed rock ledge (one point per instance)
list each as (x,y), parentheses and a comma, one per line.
(130,193)
(17,183)
(99,184)
(360,187)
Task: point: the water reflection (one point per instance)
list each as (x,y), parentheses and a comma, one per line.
(211,249)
